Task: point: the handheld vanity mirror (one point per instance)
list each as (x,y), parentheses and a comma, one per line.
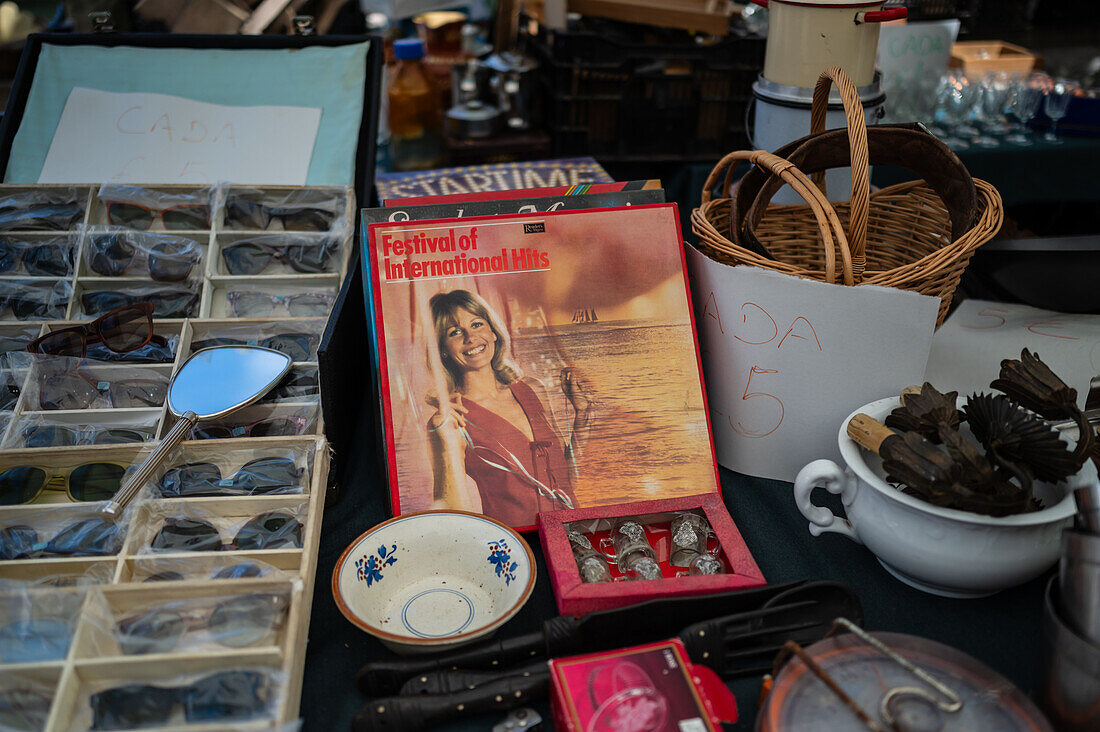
(210,384)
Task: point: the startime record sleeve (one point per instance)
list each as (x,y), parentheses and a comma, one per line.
(538,362)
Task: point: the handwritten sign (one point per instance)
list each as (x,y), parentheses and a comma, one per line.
(787,359)
(157,138)
(916,49)
(968,348)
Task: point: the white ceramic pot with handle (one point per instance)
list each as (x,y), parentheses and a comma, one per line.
(938,550)
(807,36)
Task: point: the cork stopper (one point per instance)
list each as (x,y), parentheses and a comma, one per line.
(868,432)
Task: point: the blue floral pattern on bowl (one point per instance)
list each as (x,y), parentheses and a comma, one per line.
(500,556)
(369,567)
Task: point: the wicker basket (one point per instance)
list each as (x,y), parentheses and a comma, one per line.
(895,236)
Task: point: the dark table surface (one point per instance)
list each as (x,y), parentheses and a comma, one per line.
(1002,630)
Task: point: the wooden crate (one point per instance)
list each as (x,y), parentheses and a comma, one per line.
(986,57)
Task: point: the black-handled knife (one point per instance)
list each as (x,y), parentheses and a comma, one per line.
(422,711)
(447,682)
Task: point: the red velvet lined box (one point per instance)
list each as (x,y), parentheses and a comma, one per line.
(575,597)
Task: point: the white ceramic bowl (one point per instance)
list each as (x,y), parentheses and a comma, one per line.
(433,580)
(939,550)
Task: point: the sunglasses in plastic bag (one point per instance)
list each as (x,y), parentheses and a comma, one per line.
(257,477)
(97,481)
(167,259)
(274,530)
(185,217)
(240,622)
(299,346)
(42,258)
(241,213)
(123,329)
(75,391)
(40,217)
(63,435)
(226,696)
(167,302)
(85,538)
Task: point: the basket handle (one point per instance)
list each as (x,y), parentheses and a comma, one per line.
(832,233)
(860,203)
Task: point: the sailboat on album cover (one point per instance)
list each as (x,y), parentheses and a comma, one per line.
(538,362)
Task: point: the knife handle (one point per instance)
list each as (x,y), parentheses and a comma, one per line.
(448,682)
(414,713)
(385,677)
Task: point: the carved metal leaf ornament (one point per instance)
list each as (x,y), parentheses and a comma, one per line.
(1012,434)
(926,412)
(1030,382)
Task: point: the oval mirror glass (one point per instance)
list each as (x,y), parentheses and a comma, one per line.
(218,380)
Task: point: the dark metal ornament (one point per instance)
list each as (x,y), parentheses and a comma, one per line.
(1010,434)
(926,412)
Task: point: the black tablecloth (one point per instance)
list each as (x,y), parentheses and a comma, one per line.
(1002,630)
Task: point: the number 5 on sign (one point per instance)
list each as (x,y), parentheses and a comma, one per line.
(767,425)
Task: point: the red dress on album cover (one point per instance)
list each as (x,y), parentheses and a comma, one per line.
(506,496)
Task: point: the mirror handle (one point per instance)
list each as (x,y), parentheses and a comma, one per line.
(134,483)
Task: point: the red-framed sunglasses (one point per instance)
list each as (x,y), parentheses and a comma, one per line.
(123,329)
(187,217)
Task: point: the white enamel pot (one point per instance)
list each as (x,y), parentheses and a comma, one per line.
(938,550)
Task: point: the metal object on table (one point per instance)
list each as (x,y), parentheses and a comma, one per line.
(1069,671)
(520,720)
(890,681)
(1088,507)
(515,84)
(473,120)
(1079,583)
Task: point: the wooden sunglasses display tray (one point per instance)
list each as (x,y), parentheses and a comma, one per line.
(209,282)
(114,585)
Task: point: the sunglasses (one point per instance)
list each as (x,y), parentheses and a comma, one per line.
(187,217)
(225,696)
(24,709)
(267,427)
(168,260)
(123,329)
(249,257)
(167,303)
(260,304)
(41,217)
(234,571)
(52,258)
(158,350)
(85,538)
(272,530)
(299,346)
(87,482)
(257,477)
(66,436)
(245,214)
(35,300)
(76,391)
(32,641)
(294,384)
(237,623)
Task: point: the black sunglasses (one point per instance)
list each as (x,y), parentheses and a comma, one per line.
(253,256)
(85,538)
(294,384)
(257,477)
(57,435)
(299,346)
(246,214)
(274,530)
(267,427)
(167,259)
(167,303)
(40,217)
(236,695)
(242,621)
(69,390)
(44,258)
(35,300)
(244,570)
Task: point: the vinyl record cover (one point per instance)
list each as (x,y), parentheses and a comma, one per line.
(538,362)
(492,177)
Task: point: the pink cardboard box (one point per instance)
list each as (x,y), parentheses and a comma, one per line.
(575,597)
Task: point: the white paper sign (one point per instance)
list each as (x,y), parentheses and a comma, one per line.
(916,49)
(787,359)
(967,350)
(158,138)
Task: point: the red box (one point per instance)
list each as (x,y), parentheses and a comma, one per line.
(575,597)
(649,687)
